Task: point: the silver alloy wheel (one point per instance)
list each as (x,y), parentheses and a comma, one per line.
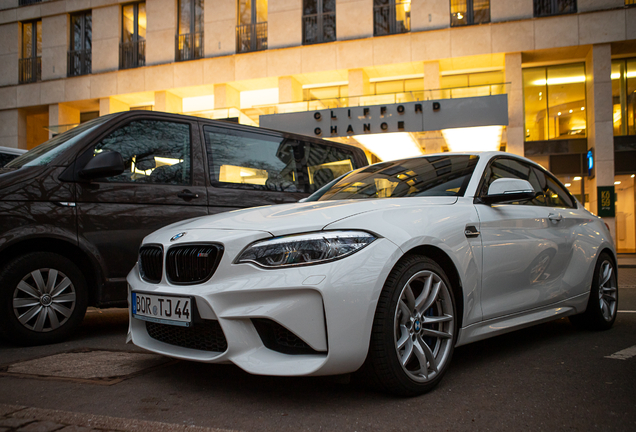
(424,324)
(607,290)
(44,305)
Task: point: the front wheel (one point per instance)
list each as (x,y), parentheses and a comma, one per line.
(600,313)
(43,298)
(414,329)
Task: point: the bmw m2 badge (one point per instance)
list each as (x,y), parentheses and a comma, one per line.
(178,236)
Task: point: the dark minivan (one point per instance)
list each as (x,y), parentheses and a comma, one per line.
(73,211)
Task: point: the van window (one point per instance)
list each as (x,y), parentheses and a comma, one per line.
(153,152)
(250,160)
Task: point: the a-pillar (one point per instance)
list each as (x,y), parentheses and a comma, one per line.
(359,84)
(289,90)
(515,129)
(226,96)
(111,105)
(62,115)
(168,102)
(600,132)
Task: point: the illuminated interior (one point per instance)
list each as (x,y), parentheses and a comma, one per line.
(245,175)
(482,138)
(390,146)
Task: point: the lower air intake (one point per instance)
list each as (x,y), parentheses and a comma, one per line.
(278,338)
(205,336)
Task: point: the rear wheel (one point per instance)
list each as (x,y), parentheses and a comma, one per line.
(414,329)
(43,298)
(600,313)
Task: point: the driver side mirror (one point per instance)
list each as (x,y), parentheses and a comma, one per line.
(507,190)
(104,164)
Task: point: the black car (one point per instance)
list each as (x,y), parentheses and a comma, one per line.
(7,154)
(73,211)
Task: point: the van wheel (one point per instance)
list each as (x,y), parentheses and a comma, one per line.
(43,297)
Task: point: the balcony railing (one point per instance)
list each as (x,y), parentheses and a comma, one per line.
(319,28)
(251,37)
(30,70)
(28,2)
(79,62)
(132,54)
(189,46)
(386,22)
(553,7)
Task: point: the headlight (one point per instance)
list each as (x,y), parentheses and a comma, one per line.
(305,249)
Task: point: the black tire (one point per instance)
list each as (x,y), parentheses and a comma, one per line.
(602,305)
(50,303)
(399,321)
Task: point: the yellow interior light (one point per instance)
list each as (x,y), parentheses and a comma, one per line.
(390,146)
(480,138)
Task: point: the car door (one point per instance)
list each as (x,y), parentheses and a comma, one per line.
(163,182)
(522,245)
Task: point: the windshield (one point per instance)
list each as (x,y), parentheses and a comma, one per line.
(424,176)
(45,153)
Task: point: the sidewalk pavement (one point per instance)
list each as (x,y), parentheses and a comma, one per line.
(626,260)
(15,418)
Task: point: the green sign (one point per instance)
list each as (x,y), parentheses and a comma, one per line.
(606,205)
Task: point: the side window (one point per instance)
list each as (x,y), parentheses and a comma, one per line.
(326,163)
(556,196)
(510,168)
(153,152)
(247,160)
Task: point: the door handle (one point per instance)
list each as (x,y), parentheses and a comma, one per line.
(471,231)
(187,195)
(555,217)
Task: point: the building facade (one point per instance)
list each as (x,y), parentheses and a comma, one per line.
(562,72)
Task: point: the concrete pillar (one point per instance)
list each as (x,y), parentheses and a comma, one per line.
(168,102)
(359,84)
(600,132)
(226,96)
(220,22)
(106,38)
(289,90)
(9,54)
(13,128)
(111,105)
(62,114)
(55,46)
(515,129)
(284,23)
(161,31)
(432,80)
(354,19)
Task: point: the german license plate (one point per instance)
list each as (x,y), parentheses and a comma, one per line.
(162,309)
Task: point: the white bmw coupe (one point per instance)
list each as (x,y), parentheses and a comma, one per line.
(384,271)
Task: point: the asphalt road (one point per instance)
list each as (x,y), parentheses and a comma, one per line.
(549,377)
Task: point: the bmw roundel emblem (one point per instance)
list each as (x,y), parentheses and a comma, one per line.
(417,326)
(178,236)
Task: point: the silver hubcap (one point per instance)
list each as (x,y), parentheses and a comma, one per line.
(607,291)
(424,324)
(44,300)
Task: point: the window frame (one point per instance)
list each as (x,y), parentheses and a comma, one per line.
(470,14)
(319,23)
(536,5)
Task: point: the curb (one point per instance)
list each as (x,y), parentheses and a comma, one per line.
(16,417)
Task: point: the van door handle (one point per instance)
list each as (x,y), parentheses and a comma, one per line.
(187,195)
(471,231)
(555,217)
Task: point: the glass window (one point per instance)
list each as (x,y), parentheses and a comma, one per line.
(554,102)
(326,163)
(553,7)
(556,195)
(79,55)
(132,51)
(252,161)
(391,17)
(319,21)
(251,32)
(153,152)
(466,12)
(624,96)
(424,176)
(190,31)
(511,168)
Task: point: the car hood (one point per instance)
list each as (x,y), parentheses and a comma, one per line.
(300,217)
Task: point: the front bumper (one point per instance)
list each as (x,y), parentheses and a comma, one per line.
(330,307)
